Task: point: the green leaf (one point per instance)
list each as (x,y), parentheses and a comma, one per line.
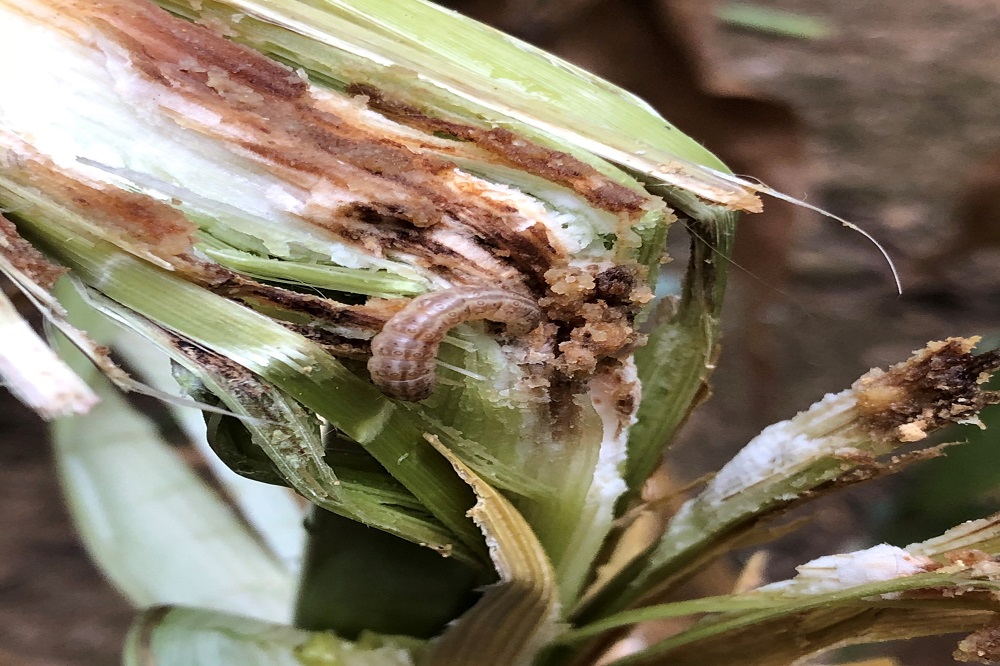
(677,361)
(774,21)
(336,278)
(750,620)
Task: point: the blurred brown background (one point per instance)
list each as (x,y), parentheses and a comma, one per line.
(891,120)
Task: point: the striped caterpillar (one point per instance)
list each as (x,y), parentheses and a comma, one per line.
(404,352)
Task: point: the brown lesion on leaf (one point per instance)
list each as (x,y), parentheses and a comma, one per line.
(516,151)
(336,345)
(863,467)
(489,256)
(364,185)
(968,557)
(242,382)
(938,385)
(24,257)
(146,29)
(359,322)
(124,217)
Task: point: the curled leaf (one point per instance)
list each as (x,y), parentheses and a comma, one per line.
(516,616)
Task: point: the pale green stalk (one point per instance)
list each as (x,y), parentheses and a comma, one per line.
(838,435)
(878,594)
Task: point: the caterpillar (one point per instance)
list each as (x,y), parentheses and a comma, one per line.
(403,353)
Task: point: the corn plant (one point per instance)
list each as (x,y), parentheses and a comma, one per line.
(407,267)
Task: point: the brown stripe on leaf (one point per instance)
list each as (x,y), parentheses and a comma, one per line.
(266,109)
(517,151)
(126,216)
(161,40)
(267,115)
(357,321)
(25,258)
(490,255)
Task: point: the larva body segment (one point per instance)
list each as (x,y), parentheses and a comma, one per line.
(404,352)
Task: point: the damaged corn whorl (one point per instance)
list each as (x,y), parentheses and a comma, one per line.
(329,177)
(272,228)
(279,220)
